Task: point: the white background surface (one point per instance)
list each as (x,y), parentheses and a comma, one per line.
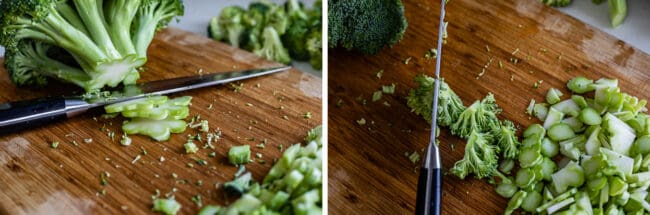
(635,30)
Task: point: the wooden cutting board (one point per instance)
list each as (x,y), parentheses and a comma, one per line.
(368,171)
(36,179)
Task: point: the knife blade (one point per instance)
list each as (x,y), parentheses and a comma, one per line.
(15,116)
(429,192)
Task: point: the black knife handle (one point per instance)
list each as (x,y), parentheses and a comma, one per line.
(435,190)
(16,116)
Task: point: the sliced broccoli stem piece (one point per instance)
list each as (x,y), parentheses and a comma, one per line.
(239,154)
(159,130)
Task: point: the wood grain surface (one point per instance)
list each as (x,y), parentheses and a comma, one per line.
(37,179)
(368,172)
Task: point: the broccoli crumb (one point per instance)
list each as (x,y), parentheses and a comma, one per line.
(388,89)
(237,88)
(407,60)
(414,157)
(376,96)
(126,140)
(339,103)
(431,53)
(361,121)
(197,200)
(380,73)
(137,157)
(307,115)
(88,140)
(201,162)
(54,144)
(190,147)
(386,104)
(285,117)
(103,177)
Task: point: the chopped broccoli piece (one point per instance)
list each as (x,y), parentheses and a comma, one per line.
(159,130)
(87,43)
(421,101)
(480,117)
(239,154)
(166,206)
(239,185)
(365,25)
(480,157)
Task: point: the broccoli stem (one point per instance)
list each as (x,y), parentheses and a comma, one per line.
(617,11)
(120,16)
(93,18)
(150,15)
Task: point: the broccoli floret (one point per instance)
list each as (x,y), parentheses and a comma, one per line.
(229,26)
(296,36)
(507,139)
(272,47)
(421,101)
(365,25)
(480,117)
(480,157)
(315,48)
(556,3)
(107,40)
(239,185)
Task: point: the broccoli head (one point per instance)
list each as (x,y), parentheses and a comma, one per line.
(480,157)
(228,26)
(421,101)
(365,25)
(272,47)
(481,116)
(107,39)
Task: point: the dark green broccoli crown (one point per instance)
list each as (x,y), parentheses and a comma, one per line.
(366,25)
(16,14)
(23,64)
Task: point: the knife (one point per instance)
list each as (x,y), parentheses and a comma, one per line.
(429,191)
(16,116)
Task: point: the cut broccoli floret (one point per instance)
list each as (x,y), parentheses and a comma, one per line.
(480,157)
(365,25)
(480,117)
(106,40)
(507,139)
(421,101)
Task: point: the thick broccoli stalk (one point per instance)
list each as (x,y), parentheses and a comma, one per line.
(272,47)
(98,35)
(480,157)
(556,3)
(365,25)
(506,138)
(480,117)
(421,101)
